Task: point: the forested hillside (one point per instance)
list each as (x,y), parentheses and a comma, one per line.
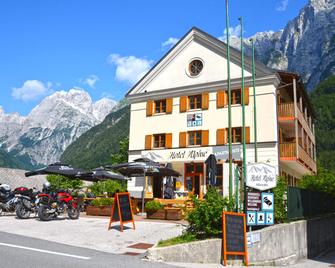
(94,148)
(323,100)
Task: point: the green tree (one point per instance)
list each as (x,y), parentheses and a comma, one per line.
(122,155)
(61,182)
(110,187)
(280,196)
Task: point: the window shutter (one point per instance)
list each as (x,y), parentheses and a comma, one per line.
(220,136)
(247,135)
(182,139)
(204,137)
(246,96)
(148,142)
(183,104)
(205,100)
(225,98)
(169,103)
(168,140)
(149,107)
(220,95)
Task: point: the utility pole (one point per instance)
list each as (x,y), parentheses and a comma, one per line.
(254,88)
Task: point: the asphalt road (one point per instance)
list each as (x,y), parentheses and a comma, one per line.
(20,251)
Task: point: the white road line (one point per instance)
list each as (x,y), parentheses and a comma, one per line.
(45,251)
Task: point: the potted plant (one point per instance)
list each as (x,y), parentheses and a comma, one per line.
(155,210)
(100,207)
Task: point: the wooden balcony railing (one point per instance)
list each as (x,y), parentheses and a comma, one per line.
(286,109)
(306,158)
(288,149)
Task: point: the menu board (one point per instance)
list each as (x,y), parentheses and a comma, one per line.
(121,210)
(234,235)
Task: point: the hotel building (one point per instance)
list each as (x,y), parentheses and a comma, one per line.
(179,115)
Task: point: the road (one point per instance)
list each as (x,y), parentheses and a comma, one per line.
(20,251)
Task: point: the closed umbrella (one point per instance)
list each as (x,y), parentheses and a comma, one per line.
(211,169)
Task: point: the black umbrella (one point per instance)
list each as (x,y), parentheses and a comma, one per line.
(211,169)
(57,169)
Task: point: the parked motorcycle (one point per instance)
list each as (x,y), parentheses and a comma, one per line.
(53,204)
(8,200)
(27,203)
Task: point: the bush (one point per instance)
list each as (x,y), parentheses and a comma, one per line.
(280,196)
(95,202)
(102,202)
(110,187)
(62,182)
(153,206)
(205,220)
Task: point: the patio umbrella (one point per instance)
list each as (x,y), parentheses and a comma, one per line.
(100,174)
(211,169)
(143,167)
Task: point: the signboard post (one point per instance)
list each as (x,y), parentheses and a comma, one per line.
(121,210)
(234,235)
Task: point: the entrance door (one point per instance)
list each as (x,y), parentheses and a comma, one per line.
(193,175)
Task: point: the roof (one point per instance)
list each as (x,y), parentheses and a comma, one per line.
(235,56)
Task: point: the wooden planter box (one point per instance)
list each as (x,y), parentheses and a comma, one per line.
(98,211)
(173,213)
(159,214)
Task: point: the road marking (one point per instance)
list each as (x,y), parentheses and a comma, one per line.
(45,251)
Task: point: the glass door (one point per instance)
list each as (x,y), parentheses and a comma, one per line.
(193,175)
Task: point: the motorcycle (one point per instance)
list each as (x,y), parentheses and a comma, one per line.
(27,203)
(8,199)
(54,204)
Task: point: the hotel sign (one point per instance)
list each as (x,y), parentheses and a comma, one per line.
(194,120)
(261,176)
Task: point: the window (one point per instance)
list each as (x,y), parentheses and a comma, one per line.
(236,96)
(195,102)
(194,138)
(159,141)
(160,106)
(195,67)
(237,135)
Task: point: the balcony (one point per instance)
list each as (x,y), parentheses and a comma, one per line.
(286,110)
(288,152)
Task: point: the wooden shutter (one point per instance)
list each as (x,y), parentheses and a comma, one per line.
(168,140)
(169,103)
(205,100)
(204,137)
(220,136)
(183,104)
(246,96)
(148,142)
(225,98)
(149,107)
(182,139)
(247,135)
(220,95)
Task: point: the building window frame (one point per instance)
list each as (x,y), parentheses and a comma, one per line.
(160,106)
(159,140)
(194,138)
(194,102)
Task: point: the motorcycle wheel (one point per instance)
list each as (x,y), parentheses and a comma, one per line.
(22,212)
(73,213)
(43,213)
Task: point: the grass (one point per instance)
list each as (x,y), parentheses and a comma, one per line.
(184,238)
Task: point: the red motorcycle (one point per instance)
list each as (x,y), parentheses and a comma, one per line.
(54,204)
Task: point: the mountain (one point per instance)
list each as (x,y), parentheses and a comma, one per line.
(305,46)
(94,147)
(42,136)
(323,99)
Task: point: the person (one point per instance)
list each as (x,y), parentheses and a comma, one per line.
(168,191)
(89,193)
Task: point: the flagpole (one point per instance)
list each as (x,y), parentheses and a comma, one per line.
(244,168)
(254,88)
(229,113)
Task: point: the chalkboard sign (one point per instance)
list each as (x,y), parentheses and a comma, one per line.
(234,235)
(121,210)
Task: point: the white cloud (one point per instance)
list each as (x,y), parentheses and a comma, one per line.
(91,80)
(130,68)
(283,5)
(170,42)
(233,32)
(32,90)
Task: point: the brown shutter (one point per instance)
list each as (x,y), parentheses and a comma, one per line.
(247,134)
(168,140)
(220,95)
(225,98)
(149,107)
(183,104)
(148,142)
(182,139)
(169,103)
(246,96)
(220,136)
(204,137)
(205,100)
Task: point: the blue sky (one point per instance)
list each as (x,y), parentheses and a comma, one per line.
(103,46)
